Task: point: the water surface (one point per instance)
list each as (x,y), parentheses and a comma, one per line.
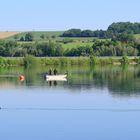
(94,103)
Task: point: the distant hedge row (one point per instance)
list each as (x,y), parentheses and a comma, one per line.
(113,29)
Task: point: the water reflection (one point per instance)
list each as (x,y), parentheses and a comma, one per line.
(52,83)
(119,80)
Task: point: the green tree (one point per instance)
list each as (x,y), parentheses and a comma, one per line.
(53,36)
(87,33)
(2,50)
(29,37)
(72,33)
(22,39)
(31,49)
(59,51)
(16,37)
(42,36)
(124,38)
(10,48)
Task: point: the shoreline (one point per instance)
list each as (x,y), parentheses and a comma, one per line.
(30,60)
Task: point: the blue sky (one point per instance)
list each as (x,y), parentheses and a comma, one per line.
(25,15)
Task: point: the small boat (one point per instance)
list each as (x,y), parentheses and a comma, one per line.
(56,77)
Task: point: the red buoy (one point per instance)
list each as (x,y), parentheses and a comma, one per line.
(21,78)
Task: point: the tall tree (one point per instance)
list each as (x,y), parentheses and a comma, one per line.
(29,37)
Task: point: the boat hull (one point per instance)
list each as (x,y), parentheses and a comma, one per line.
(56,77)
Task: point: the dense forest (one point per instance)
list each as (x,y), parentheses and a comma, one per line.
(113,30)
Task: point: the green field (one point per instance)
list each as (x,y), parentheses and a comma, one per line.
(76,44)
(37,35)
(55,37)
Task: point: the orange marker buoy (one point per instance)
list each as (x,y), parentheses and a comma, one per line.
(21,78)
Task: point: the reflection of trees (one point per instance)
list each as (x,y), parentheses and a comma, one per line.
(9,77)
(31,75)
(119,80)
(52,83)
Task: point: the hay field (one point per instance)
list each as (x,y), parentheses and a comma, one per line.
(7,34)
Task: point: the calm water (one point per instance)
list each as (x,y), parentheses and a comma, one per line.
(96,103)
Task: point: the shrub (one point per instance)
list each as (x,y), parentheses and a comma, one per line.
(93,60)
(29,60)
(125,60)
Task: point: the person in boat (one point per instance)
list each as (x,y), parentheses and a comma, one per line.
(50,72)
(55,72)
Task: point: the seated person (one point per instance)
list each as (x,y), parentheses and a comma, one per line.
(55,72)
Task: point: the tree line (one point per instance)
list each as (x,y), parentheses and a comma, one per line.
(15,49)
(113,30)
(120,45)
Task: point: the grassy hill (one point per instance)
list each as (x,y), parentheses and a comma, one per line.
(37,35)
(55,37)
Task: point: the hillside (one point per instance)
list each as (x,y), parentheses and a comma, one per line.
(37,34)
(55,37)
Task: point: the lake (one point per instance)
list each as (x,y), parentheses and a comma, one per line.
(95,103)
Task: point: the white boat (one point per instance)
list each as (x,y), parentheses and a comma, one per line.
(56,77)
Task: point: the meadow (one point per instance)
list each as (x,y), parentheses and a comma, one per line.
(55,37)
(37,34)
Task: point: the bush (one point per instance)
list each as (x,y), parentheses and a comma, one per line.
(29,60)
(1,61)
(125,60)
(93,60)
(29,37)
